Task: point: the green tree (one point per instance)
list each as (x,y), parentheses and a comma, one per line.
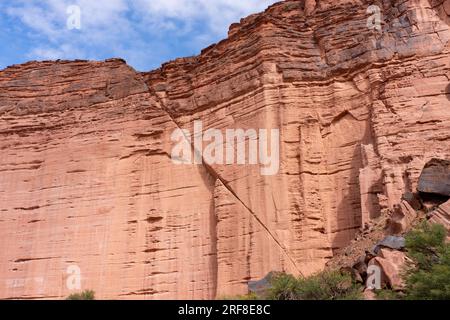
(429,279)
(426,244)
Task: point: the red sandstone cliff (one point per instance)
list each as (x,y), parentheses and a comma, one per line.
(86,177)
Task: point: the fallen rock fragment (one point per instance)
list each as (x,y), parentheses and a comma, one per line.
(402,218)
(391,264)
(392,242)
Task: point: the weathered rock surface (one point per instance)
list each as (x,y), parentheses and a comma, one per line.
(391,264)
(442,216)
(401,219)
(87,180)
(86,177)
(435,178)
(390,242)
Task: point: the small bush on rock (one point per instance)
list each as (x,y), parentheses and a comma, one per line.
(85,295)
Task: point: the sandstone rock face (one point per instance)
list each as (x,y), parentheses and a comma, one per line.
(87,180)
(86,177)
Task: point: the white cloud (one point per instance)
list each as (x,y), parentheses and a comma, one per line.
(125,26)
(63,51)
(217,15)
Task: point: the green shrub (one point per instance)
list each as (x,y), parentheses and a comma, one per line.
(430,278)
(85,295)
(328,285)
(284,287)
(425,244)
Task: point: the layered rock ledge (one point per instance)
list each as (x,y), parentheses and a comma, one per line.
(86,177)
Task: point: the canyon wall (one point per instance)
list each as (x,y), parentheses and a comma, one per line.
(87,179)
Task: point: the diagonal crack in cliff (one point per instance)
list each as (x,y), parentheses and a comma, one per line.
(217,176)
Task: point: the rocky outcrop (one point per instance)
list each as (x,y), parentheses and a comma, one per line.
(86,177)
(385,265)
(442,216)
(392,265)
(435,178)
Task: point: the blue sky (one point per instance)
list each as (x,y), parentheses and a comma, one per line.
(146,33)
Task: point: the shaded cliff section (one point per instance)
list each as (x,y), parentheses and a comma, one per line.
(87,179)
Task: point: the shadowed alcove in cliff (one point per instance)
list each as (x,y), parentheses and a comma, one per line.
(344,161)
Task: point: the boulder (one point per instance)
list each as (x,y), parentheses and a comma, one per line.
(435,178)
(401,219)
(392,242)
(391,264)
(398,258)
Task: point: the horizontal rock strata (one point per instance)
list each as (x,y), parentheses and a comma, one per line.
(86,177)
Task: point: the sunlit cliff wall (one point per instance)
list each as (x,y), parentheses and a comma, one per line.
(87,179)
